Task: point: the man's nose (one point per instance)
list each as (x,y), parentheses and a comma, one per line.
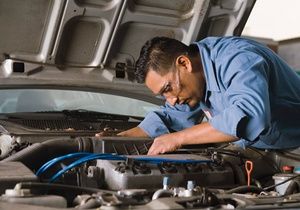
(172,100)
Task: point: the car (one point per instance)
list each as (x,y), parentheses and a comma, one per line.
(67,73)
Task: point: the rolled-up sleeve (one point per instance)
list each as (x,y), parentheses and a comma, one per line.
(170,118)
(154,124)
(228,120)
(247,93)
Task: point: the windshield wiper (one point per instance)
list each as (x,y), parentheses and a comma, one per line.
(83,114)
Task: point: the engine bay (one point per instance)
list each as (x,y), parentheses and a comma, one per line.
(67,167)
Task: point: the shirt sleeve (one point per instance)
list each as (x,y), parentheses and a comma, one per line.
(247,92)
(171,118)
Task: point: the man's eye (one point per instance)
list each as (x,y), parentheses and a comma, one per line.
(168,88)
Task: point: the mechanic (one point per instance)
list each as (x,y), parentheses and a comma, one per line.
(249,95)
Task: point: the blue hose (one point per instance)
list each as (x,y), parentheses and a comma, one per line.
(52,162)
(85,157)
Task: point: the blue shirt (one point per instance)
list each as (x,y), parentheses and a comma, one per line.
(251,93)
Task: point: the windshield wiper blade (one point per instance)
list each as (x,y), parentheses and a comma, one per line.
(82,113)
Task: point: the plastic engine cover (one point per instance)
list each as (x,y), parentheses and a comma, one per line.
(119,175)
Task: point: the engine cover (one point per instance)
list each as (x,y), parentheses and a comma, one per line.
(119,175)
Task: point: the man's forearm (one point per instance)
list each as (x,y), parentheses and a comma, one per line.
(134,132)
(203,133)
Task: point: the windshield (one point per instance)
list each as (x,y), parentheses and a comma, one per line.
(33,100)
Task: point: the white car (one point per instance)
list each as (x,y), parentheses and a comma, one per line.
(67,73)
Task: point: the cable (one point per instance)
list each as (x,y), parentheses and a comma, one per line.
(244,189)
(52,162)
(47,186)
(280,183)
(83,160)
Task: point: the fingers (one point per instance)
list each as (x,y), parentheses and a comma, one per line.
(158,147)
(163,144)
(106,133)
(99,134)
(153,151)
(123,133)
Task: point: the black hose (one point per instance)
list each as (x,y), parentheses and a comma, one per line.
(61,187)
(244,189)
(39,153)
(294,187)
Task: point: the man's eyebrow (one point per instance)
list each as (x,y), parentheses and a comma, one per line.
(162,89)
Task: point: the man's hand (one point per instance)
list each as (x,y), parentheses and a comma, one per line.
(133,132)
(202,133)
(165,143)
(107,132)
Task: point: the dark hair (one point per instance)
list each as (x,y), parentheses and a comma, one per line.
(159,54)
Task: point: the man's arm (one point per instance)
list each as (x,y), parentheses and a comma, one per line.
(202,133)
(133,132)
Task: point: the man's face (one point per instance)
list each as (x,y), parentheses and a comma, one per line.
(181,85)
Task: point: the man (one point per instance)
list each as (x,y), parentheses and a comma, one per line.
(249,95)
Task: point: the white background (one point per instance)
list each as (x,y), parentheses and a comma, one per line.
(276,19)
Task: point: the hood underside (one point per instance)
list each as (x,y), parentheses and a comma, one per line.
(94,43)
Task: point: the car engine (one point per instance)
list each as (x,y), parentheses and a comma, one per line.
(66,166)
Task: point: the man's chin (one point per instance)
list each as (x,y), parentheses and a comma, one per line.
(192,103)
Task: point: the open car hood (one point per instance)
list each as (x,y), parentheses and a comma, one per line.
(94,44)
(49,155)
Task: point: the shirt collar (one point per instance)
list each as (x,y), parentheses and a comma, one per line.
(209,70)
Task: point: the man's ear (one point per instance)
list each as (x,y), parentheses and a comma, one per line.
(183,62)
